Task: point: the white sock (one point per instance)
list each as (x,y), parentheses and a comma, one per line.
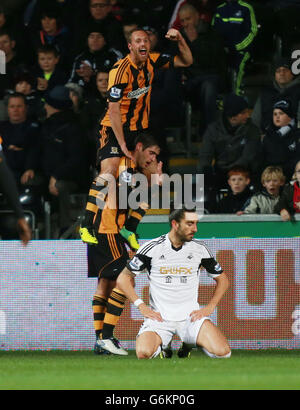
(155,354)
(214,356)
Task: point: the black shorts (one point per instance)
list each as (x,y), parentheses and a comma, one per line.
(108,258)
(109,146)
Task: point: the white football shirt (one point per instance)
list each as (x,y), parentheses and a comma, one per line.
(174,274)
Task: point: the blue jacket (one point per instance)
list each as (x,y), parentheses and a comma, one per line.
(236,23)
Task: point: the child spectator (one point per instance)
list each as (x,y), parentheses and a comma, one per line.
(289,202)
(48,75)
(281,143)
(235,201)
(264,201)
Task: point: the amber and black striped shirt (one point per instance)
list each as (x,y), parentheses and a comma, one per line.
(111,220)
(132,87)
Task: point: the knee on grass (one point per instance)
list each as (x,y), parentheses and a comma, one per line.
(220,353)
(147,353)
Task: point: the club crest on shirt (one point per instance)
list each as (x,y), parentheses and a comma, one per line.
(114,150)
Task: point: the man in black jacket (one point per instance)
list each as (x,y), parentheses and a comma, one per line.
(206,77)
(230,141)
(63,158)
(9,188)
(20,141)
(284,85)
(96,55)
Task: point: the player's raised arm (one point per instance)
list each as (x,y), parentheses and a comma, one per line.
(184,58)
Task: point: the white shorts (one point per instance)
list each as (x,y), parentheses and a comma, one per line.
(186,330)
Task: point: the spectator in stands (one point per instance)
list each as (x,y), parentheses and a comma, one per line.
(281,142)
(95,104)
(9,188)
(204,78)
(25,84)
(230,141)
(21,141)
(264,201)
(96,54)
(236,23)
(92,111)
(98,12)
(238,181)
(63,155)
(64,9)
(76,96)
(167,93)
(284,85)
(48,74)
(286,23)
(7,45)
(117,9)
(289,202)
(156,13)
(3,18)
(53,32)
(205,8)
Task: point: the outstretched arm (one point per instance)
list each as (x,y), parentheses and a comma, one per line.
(184,58)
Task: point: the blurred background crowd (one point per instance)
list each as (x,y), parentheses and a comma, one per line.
(232,115)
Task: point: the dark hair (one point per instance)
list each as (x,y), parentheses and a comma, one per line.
(6,32)
(102,69)
(148,140)
(24,76)
(16,95)
(177,214)
(48,49)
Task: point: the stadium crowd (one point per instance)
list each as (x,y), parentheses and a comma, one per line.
(58,56)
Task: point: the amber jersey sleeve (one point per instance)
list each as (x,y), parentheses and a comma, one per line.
(131,87)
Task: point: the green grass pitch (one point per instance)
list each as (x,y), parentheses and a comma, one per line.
(65,370)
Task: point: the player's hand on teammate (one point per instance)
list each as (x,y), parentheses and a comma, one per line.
(149,313)
(199,314)
(127,153)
